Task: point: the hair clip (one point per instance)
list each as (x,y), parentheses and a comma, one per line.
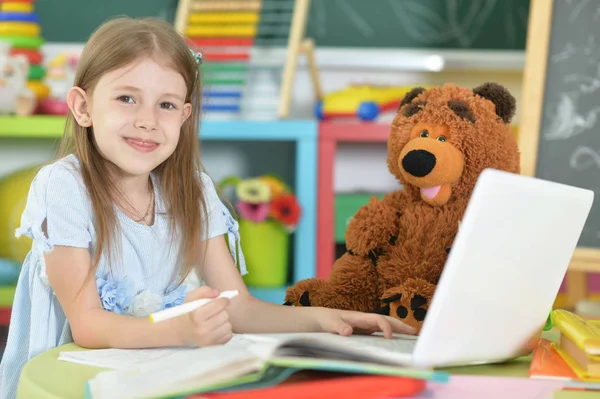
(197,56)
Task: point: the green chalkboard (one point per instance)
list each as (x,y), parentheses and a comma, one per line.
(441,24)
(75,20)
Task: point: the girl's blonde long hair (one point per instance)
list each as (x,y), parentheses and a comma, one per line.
(113,45)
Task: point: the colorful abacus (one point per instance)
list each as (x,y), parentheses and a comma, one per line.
(19,25)
(226,31)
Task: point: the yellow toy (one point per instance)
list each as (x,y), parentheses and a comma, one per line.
(363,101)
(13,196)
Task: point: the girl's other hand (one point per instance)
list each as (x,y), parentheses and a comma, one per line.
(207,325)
(347,322)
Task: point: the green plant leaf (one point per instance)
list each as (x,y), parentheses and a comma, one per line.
(229,181)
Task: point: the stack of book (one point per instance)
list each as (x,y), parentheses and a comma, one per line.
(575,356)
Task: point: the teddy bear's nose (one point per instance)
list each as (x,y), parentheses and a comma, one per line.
(418,163)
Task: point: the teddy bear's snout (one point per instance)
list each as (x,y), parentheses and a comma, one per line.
(419,163)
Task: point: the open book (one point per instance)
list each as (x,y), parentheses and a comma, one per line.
(247,360)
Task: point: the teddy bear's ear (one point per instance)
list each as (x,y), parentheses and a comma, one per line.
(411,95)
(504,101)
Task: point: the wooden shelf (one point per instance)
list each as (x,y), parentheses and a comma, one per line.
(37,126)
(371,132)
(421,60)
(52,127)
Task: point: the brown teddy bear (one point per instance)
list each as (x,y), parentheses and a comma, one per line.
(440,141)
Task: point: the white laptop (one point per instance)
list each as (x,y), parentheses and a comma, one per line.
(504,271)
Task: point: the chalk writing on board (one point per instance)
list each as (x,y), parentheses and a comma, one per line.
(584,158)
(586,84)
(569,147)
(564,54)
(567,122)
(575,11)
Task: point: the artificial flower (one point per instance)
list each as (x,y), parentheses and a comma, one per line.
(253,191)
(145,303)
(115,296)
(175,296)
(254,212)
(275,185)
(286,210)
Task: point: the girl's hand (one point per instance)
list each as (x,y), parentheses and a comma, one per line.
(207,325)
(345,323)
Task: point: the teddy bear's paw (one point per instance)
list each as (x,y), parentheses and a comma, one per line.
(409,302)
(372,229)
(303,300)
(301,293)
(410,308)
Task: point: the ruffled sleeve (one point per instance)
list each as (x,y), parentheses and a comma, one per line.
(57,197)
(221,222)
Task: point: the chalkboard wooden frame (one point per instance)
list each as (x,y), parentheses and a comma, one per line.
(534,84)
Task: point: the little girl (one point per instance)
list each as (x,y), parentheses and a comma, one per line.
(125,220)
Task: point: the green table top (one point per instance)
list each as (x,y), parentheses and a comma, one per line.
(45,376)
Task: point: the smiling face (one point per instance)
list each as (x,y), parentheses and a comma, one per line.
(136,114)
(441,140)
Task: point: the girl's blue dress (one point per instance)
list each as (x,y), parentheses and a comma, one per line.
(140,281)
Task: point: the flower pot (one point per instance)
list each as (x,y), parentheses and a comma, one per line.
(265,246)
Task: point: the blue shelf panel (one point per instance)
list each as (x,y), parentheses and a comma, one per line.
(305,135)
(273,295)
(258,130)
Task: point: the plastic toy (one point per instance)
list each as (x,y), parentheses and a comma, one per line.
(15,96)
(13,196)
(60,78)
(20,28)
(366,102)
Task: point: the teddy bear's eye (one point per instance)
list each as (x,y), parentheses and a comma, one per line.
(441,138)
(424,133)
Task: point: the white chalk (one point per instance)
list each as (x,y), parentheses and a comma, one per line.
(188,307)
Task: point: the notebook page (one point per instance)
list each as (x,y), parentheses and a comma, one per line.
(369,348)
(118,359)
(134,359)
(184,369)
